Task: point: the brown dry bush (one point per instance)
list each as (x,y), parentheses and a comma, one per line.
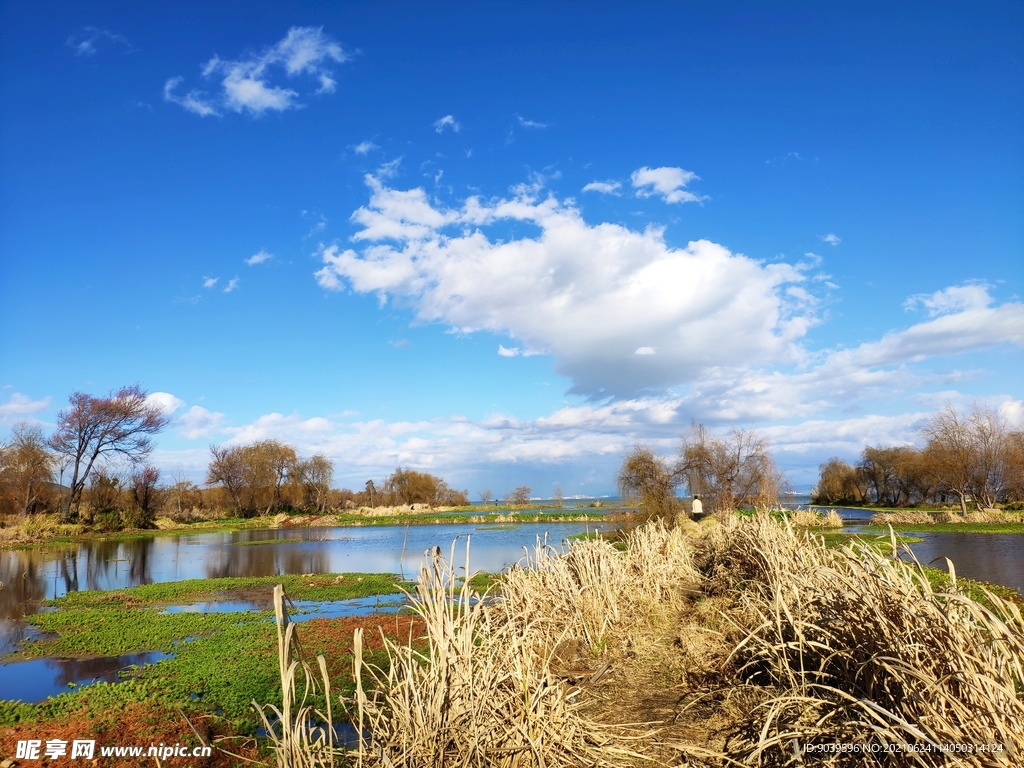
(856,648)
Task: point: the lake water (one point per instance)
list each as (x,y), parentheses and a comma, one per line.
(32,576)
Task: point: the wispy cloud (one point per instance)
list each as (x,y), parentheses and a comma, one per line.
(784,159)
(20,407)
(956,298)
(604,187)
(447,122)
(530,123)
(245,84)
(261,257)
(364,148)
(668,183)
(91,39)
(389,169)
(508,351)
(209,282)
(319,222)
(232,284)
(831,239)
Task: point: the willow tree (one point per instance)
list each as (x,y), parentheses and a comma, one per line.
(647,479)
(26,467)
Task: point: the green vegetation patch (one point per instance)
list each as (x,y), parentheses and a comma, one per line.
(86,632)
(318,586)
(953,528)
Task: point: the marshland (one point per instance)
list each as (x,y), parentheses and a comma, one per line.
(296,632)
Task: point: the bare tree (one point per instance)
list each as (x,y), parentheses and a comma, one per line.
(558,497)
(647,479)
(990,442)
(520,497)
(969,454)
(184,494)
(268,465)
(26,466)
(837,483)
(227,469)
(729,472)
(120,425)
(486,496)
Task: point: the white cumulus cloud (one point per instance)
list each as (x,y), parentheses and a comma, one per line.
(198,422)
(831,239)
(165,401)
(245,84)
(669,183)
(232,284)
(590,295)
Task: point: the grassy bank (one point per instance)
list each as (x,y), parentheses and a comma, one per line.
(964,527)
(47,531)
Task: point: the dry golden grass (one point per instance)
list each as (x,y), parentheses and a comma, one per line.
(911,517)
(36,528)
(856,648)
(737,642)
(806,518)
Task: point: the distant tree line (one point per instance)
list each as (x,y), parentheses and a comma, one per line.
(971,458)
(94,468)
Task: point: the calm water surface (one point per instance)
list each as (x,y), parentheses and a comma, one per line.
(32,576)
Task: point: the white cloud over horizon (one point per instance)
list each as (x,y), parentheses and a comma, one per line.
(245,83)
(621,312)
(584,435)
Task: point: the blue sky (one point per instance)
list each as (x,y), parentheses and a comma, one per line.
(503,242)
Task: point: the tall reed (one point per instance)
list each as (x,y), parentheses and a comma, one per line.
(302,735)
(478,695)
